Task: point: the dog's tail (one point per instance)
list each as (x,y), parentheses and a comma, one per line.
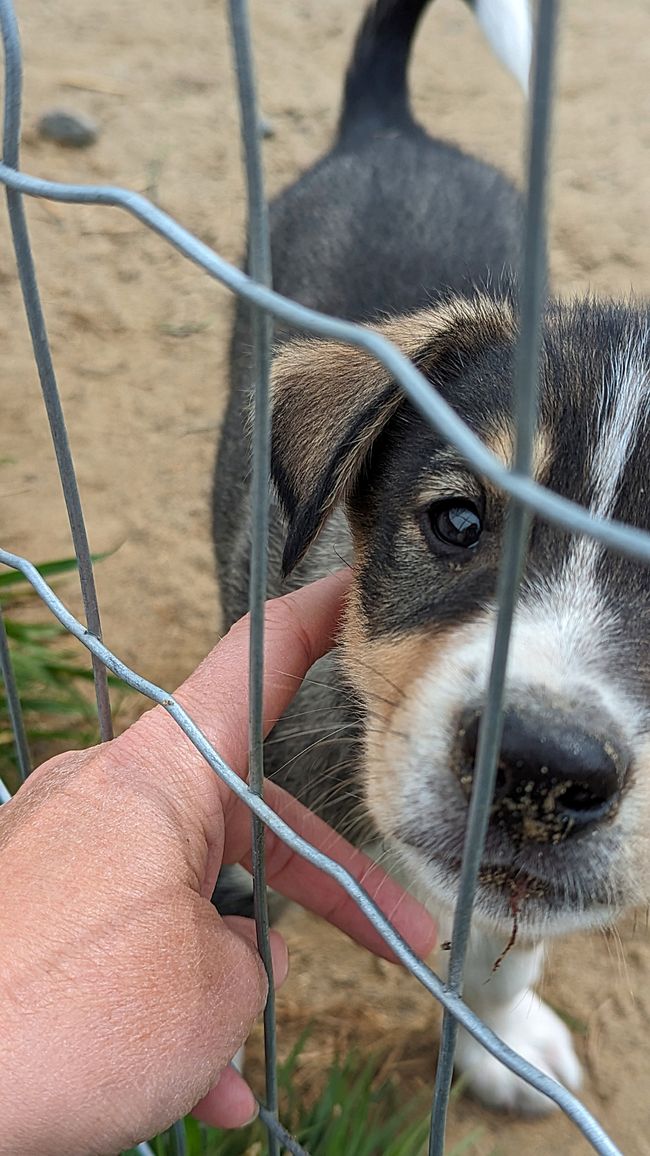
(376,92)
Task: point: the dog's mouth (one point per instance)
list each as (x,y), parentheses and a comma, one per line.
(520,888)
(549,893)
(519,884)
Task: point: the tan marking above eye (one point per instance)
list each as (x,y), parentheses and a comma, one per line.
(542,455)
(451,479)
(450,484)
(500,440)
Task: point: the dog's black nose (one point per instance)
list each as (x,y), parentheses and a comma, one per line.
(554,779)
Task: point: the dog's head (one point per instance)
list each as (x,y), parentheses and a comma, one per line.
(569,833)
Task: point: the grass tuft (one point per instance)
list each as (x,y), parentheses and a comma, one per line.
(354,1115)
(52,677)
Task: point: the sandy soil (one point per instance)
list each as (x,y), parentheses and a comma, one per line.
(139,342)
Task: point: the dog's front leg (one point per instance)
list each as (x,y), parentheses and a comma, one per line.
(505,999)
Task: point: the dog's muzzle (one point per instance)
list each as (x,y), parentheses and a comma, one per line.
(555,779)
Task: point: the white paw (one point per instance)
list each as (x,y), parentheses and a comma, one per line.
(239,1059)
(532,1029)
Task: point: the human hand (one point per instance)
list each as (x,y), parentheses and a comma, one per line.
(123,993)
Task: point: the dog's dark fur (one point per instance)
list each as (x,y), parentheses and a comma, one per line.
(387,222)
(413,237)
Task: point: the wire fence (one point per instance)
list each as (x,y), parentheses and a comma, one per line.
(527,498)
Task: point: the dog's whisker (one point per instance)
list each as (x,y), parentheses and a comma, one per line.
(356,821)
(345,691)
(414,690)
(336,731)
(301,713)
(616,951)
(324,777)
(289,736)
(357,660)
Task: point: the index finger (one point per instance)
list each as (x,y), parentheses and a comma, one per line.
(301,881)
(299,628)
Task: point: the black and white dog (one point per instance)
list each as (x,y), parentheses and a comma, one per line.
(414,238)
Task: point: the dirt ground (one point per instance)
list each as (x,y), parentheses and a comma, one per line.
(139,342)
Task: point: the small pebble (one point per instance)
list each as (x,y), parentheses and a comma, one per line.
(73,129)
(265,128)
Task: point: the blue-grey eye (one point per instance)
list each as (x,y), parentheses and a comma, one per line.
(456,522)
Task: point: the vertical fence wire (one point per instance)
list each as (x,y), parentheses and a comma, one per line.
(178,1138)
(259,263)
(531,303)
(13,703)
(43,356)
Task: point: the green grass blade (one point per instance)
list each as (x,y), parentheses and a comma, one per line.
(48,570)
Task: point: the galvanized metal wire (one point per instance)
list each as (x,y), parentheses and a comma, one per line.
(14,709)
(526,370)
(259,262)
(527,498)
(43,357)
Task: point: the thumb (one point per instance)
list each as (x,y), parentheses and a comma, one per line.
(214,987)
(229,993)
(230,1103)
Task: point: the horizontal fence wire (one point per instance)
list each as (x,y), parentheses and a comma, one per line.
(529,496)
(551,507)
(274,1128)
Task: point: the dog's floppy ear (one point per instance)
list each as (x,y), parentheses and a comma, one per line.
(331,402)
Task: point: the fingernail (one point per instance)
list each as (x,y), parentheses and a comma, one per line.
(251,1120)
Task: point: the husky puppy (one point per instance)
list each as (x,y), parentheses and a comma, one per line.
(414,238)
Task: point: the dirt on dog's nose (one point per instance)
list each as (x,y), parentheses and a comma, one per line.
(554,778)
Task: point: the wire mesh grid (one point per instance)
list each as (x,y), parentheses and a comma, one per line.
(527,498)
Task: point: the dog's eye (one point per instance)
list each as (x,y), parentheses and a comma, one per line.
(455,522)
